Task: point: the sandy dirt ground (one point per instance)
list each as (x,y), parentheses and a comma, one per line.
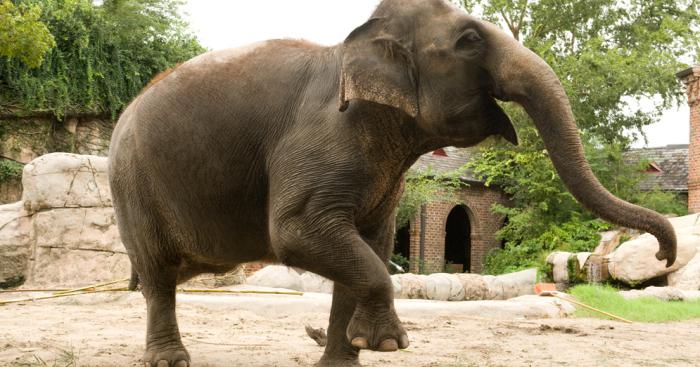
(108,330)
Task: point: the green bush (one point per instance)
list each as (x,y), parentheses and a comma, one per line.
(103,55)
(401,261)
(9,170)
(543,216)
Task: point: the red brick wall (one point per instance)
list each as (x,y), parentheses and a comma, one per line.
(478,200)
(692,82)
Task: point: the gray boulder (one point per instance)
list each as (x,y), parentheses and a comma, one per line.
(687,277)
(15,228)
(634,261)
(76,246)
(280,276)
(662,293)
(412,286)
(559,260)
(277,276)
(511,285)
(63,180)
(474,286)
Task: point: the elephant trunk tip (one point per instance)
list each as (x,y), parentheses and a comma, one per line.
(667,244)
(669,256)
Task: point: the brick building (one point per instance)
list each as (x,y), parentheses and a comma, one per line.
(667,169)
(446,233)
(691,79)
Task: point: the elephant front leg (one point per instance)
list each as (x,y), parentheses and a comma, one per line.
(340,254)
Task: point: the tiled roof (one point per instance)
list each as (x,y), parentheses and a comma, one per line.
(456,158)
(672,160)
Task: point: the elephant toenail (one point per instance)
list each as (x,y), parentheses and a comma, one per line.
(182,364)
(147,364)
(403,342)
(163,363)
(360,342)
(388,345)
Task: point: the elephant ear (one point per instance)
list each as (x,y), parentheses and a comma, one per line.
(378,67)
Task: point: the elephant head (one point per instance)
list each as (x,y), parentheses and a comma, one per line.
(445,69)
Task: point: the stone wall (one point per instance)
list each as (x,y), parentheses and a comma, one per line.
(23,139)
(477,200)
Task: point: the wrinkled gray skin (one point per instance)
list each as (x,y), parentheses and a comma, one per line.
(292,152)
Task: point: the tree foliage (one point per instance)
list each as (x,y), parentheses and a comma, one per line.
(104,55)
(613,58)
(22,35)
(609,54)
(423,187)
(543,215)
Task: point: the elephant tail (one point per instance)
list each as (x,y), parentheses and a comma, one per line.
(134,280)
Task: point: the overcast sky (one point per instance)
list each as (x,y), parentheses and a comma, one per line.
(225,23)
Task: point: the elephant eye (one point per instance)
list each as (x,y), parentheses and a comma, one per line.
(468,39)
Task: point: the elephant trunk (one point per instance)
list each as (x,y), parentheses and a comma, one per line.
(525,78)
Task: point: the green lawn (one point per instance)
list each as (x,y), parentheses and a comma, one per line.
(645,309)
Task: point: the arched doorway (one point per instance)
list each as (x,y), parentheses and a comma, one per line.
(402,246)
(458,240)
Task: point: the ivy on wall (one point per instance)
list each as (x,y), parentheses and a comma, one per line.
(103,56)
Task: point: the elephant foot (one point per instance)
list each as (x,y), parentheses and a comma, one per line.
(376,330)
(337,362)
(166,357)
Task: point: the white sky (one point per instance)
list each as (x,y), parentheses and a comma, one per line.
(230,23)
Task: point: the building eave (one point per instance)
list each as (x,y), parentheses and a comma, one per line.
(689,71)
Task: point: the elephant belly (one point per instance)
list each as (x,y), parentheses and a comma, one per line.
(220,228)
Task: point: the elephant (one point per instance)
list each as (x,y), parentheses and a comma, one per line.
(290,152)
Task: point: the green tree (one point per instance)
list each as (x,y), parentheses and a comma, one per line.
(104,55)
(609,56)
(423,187)
(22,34)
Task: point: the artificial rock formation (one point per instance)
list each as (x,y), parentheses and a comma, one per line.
(688,276)
(559,261)
(63,232)
(15,228)
(633,262)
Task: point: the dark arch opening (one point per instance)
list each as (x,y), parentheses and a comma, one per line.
(503,241)
(402,243)
(458,240)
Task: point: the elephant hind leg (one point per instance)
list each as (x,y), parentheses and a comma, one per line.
(155,265)
(163,344)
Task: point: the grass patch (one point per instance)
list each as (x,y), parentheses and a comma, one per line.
(645,309)
(65,358)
